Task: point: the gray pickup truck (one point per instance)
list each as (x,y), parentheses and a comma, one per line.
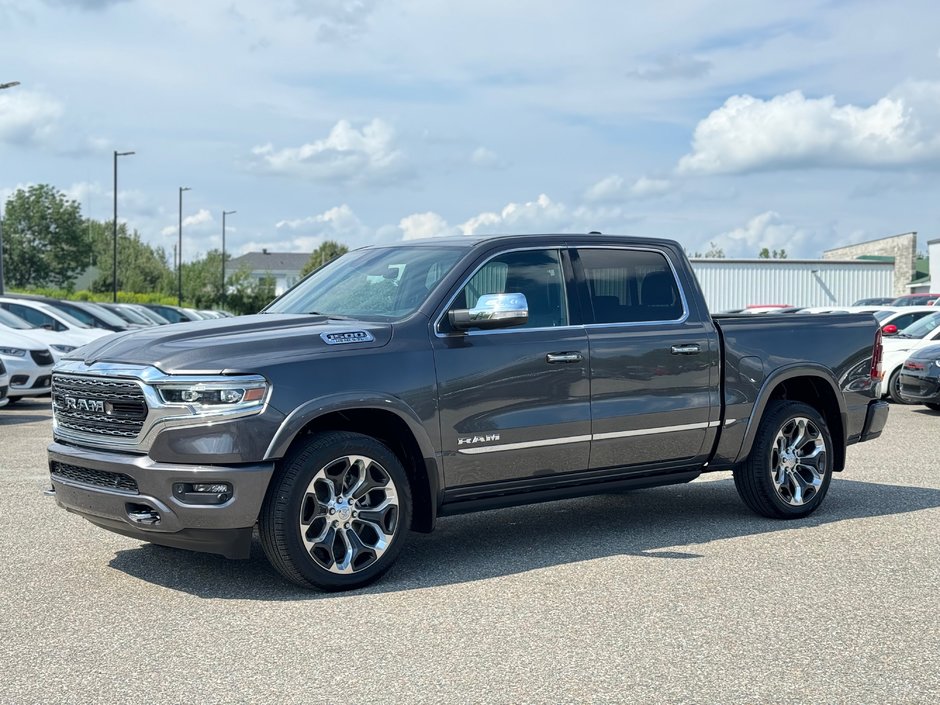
(402,383)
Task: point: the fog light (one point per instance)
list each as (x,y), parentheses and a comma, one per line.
(202,492)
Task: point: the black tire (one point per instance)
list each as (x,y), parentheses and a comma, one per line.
(932,406)
(755,477)
(313,466)
(12,400)
(894,387)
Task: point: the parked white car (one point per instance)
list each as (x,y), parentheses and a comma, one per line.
(898,347)
(59,344)
(4,384)
(28,363)
(896,319)
(72,331)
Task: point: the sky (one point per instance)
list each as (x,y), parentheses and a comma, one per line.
(802,125)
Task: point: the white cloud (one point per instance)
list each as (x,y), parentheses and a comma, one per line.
(792,131)
(201,218)
(347,155)
(677,66)
(337,19)
(614,188)
(486,159)
(768,230)
(27,117)
(421,225)
(339,223)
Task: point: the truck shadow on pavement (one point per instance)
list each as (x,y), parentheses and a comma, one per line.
(656,523)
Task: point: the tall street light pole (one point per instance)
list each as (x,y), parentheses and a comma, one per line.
(224,213)
(114,224)
(2,86)
(179,253)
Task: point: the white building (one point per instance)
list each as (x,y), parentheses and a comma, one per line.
(283,266)
(737,283)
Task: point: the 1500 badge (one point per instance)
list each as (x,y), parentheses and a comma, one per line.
(471,440)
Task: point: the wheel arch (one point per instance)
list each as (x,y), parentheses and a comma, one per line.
(388,420)
(813,385)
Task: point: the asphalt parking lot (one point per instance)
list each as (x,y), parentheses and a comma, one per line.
(674,595)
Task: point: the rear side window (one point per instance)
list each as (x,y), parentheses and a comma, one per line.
(631,286)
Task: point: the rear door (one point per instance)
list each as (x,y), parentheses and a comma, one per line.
(515,402)
(654,362)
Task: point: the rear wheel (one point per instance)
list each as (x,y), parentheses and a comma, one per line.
(338,513)
(787,474)
(894,387)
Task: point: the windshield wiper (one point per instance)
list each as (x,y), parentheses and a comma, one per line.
(331,316)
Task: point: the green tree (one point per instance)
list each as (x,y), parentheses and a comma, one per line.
(44,237)
(329,250)
(713,251)
(141,268)
(246,295)
(202,280)
(775,254)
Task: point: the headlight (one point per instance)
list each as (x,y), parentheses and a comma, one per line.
(206,398)
(63,348)
(13,352)
(937,363)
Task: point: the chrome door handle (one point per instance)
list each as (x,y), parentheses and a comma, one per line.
(566,357)
(692,349)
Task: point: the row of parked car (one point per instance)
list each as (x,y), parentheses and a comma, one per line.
(37,331)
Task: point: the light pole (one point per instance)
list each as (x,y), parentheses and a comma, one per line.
(2,86)
(179,253)
(114,224)
(224,213)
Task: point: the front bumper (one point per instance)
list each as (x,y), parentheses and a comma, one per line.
(124,493)
(27,379)
(875,420)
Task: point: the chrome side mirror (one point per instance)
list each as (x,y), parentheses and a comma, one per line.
(492,311)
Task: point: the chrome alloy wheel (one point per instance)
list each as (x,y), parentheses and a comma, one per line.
(349,514)
(798,461)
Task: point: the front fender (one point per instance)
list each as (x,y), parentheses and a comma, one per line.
(300,417)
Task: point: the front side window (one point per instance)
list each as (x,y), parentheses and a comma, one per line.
(631,286)
(537,274)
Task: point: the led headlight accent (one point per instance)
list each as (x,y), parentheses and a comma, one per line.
(206,397)
(13,352)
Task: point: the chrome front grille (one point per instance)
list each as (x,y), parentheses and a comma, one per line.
(101,406)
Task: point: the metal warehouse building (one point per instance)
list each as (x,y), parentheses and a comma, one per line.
(736,283)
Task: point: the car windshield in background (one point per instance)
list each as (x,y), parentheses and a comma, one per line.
(385,283)
(10,321)
(109,317)
(62,315)
(922,328)
(881,315)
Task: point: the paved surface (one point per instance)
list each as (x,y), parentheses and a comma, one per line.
(673,595)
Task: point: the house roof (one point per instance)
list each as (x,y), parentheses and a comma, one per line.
(269,261)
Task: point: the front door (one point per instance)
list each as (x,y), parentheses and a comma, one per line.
(515,402)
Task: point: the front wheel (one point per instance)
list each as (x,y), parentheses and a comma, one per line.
(789,468)
(338,512)
(894,387)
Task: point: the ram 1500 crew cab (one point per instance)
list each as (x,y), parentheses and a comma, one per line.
(402,383)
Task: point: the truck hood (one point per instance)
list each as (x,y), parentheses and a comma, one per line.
(244,344)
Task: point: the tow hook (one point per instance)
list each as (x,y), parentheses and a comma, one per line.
(142,514)
(49,492)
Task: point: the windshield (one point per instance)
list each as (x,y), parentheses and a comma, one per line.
(12,321)
(922,328)
(109,317)
(385,283)
(881,315)
(63,316)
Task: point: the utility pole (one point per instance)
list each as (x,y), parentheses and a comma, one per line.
(179,253)
(224,213)
(114,224)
